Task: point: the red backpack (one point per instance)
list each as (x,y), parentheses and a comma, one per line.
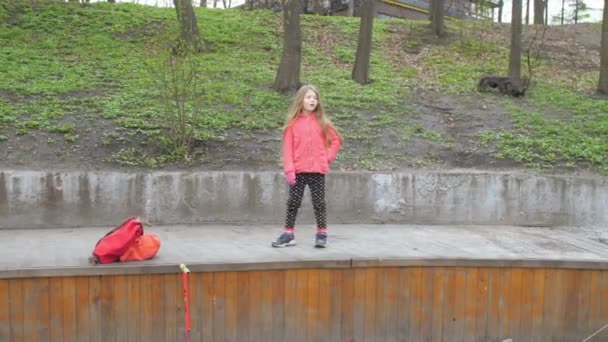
(116,242)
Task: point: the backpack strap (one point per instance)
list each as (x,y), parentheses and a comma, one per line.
(118,227)
(93,260)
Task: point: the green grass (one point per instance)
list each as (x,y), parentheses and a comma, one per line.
(96,61)
(566,128)
(540,141)
(65,66)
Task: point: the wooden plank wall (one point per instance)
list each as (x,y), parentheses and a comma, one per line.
(358,304)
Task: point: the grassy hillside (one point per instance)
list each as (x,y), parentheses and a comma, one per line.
(77,90)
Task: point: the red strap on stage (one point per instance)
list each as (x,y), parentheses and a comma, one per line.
(185,273)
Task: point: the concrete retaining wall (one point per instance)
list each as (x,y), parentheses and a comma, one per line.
(73,199)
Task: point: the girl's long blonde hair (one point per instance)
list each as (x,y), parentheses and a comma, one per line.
(296,108)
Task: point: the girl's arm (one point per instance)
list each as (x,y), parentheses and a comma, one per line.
(288,150)
(334,144)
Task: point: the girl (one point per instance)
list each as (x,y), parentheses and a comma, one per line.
(310,144)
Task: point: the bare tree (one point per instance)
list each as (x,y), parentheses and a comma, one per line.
(437,12)
(364,44)
(288,75)
(180,83)
(539,11)
(190,38)
(515,55)
(602,87)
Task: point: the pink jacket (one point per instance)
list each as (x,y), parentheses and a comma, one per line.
(304,149)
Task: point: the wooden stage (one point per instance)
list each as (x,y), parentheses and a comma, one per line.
(372,283)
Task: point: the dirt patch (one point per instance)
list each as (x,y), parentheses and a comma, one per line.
(145,32)
(407,41)
(407,47)
(461,119)
(79,94)
(326,40)
(45,150)
(399,50)
(9,96)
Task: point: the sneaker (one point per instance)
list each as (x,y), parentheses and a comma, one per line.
(285,240)
(320,240)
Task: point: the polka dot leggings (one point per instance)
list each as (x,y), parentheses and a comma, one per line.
(316,183)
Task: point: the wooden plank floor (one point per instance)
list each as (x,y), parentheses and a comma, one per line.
(356,304)
(34,252)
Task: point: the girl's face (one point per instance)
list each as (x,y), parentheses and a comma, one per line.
(309,104)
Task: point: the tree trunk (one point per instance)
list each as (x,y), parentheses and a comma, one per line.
(576,12)
(203,3)
(515,55)
(527,12)
(562,18)
(364,45)
(305,5)
(190,39)
(357,8)
(539,12)
(500,5)
(288,75)
(215,3)
(110,1)
(351,8)
(437,17)
(603,84)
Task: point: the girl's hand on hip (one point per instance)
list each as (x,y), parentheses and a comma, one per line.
(290,177)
